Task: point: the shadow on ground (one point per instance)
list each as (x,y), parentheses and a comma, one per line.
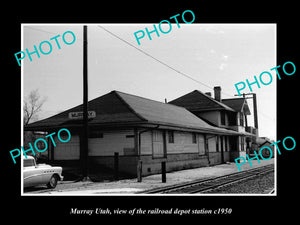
(96,173)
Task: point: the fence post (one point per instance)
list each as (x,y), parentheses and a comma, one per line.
(163,172)
(116,165)
(139,170)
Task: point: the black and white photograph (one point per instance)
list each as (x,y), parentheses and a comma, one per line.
(133,112)
(163,113)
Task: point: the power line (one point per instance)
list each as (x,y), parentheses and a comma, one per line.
(142,51)
(147,54)
(172,68)
(161,62)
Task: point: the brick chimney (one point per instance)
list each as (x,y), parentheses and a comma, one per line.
(217,91)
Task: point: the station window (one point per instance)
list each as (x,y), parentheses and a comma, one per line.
(226,144)
(171,136)
(223,118)
(194,138)
(241,119)
(242,144)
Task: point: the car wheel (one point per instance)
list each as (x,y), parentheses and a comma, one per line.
(53,182)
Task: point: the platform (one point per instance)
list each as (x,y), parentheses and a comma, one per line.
(131,186)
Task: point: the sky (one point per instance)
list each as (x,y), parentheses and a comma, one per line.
(213,54)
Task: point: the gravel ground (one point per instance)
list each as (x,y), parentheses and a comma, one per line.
(131,186)
(258,185)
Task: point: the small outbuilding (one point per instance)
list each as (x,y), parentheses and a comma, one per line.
(265,152)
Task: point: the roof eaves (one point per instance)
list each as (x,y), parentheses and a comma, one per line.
(265,143)
(223,106)
(212,130)
(240,107)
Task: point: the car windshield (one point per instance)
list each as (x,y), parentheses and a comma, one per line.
(28,162)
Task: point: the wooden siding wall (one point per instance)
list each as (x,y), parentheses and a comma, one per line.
(116,141)
(67,151)
(182,143)
(112,142)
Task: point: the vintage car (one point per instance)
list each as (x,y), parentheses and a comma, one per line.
(39,174)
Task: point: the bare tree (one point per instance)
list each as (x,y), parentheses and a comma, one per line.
(32,106)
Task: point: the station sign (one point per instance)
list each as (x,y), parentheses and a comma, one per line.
(79,115)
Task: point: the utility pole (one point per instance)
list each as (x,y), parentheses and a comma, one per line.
(254,108)
(255,120)
(84,146)
(255,111)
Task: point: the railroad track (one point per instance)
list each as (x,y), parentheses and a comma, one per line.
(205,185)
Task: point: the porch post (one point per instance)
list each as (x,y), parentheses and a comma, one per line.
(138,151)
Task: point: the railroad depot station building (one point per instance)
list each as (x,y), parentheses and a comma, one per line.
(194,130)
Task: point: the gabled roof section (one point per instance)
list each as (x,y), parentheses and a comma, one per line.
(109,108)
(162,113)
(238,104)
(197,101)
(263,140)
(117,108)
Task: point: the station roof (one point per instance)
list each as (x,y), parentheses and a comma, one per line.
(197,101)
(238,104)
(117,109)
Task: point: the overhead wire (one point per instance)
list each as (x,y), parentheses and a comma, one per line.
(154,58)
(159,61)
(170,67)
(142,51)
